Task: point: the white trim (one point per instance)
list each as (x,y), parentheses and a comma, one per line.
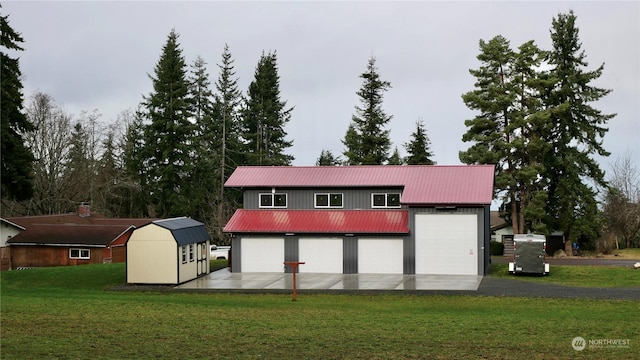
(273,200)
(386,200)
(80,251)
(328,206)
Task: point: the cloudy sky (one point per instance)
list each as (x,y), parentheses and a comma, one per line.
(97,55)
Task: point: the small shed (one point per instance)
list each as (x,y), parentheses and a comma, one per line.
(169,251)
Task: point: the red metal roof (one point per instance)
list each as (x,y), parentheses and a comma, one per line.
(319,221)
(436,184)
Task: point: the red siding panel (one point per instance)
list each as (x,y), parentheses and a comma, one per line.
(319,221)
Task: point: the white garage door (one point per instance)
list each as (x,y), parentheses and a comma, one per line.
(380,256)
(320,255)
(447,244)
(262,255)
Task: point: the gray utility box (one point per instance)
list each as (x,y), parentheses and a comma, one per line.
(529,255)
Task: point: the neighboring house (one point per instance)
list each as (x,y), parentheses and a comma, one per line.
(363,219)
(67,239)
(499,227)
(170,251)
(7,231)
(502,231)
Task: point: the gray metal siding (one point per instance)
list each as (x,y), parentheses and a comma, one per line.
(291,252)
(236,249)
(303,199)
(350,255)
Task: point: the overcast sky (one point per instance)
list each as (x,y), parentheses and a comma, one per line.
(97,55)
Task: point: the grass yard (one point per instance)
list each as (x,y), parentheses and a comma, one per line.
(67,312)
(578,275)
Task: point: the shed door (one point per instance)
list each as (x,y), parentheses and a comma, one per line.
(447,244)
(320,255)
(262,255)
(380,256)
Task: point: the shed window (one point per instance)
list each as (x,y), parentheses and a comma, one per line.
(184,254)
(328,200)
(273,200)
(79,254)
(191,257)
(387,200)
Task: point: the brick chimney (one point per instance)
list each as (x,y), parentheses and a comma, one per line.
(84,210)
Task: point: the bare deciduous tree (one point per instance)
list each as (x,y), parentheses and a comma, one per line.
(50,145)
(622,201)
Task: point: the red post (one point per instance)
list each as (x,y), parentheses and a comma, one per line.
(294,269)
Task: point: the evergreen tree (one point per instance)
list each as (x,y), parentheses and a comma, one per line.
(506,132)
(367,140)
(206,143)
(395,158)
(228,102)
(353,142)
(576,131)
(327,159)
(169,136)
(77,171)
(419,148)
(134,188)
(264,117)
(17,158)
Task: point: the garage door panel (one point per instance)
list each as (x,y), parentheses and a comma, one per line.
(262,255)
(380,256)
(446,244)
(320,255)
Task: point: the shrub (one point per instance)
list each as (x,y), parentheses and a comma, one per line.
(497,248)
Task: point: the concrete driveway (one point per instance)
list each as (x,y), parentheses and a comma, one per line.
(226,280)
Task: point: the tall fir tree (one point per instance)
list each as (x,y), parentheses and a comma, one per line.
(169,134)
(17,158)
(265,116)
(506,132)
(576,131)
(328,159)
(135,184)
(228,101)
(205,149)
(419,147)
(367,140)
(395,158)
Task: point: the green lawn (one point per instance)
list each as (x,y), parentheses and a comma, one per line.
(67,312)
(578,275)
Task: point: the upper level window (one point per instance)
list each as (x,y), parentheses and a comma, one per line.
(273,200)
(390,200)
(328,201)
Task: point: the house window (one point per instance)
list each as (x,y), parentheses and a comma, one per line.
(191,258)
(184,254)
(84,254)
(328,201)
(387,200)
(273,200)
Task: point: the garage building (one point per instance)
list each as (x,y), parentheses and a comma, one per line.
(363,219)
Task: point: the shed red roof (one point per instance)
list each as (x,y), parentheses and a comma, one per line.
(319,221)
(437,184)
